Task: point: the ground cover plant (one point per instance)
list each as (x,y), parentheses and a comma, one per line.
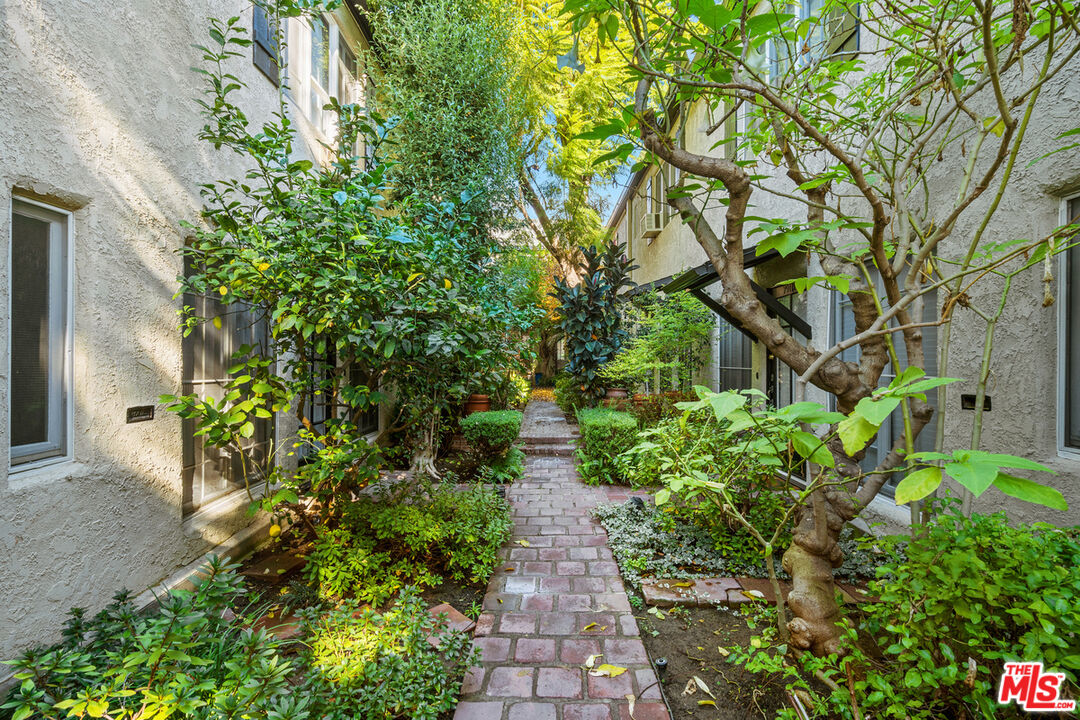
(651,542)
(199,657)
(415,535)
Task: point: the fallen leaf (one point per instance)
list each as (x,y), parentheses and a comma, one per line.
(509,568)
(523,543)
(590,626)
(656,611)
(706,702)
(607,671)
(592,660)
(754,594)
(684,584)
(690,688)
(723,651)
(704,688)
(630,699)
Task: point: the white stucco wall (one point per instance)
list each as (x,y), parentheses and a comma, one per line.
(99,118)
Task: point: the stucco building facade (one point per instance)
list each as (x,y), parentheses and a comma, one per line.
(99,164)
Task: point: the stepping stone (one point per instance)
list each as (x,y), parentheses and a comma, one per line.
(702,592)
(455,619)
(275,568)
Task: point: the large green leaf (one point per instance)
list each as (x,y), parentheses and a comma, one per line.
(1030,491)
(918,485)
(724,403)
(855,432)
(810,447)
(975,476)
(876,412)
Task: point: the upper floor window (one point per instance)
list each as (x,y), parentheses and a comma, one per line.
(1070,336)
(40,333)
(832,28)
(264,50)
(322,65)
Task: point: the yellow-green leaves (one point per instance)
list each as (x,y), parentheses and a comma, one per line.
(918,485)
(812,448)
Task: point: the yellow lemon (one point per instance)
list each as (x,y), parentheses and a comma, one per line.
(223,290)
(448,284)
(275,530)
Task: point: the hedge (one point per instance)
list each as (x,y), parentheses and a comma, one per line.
(492,433)
(605,434)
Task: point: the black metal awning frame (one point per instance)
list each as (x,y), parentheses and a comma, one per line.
(697,279)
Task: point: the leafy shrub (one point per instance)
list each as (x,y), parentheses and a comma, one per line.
(493,432)
(189,660)
(957,600)
(383,546)
(505,469)
(605,434)
(970,587)
(570,395)
(512,392)
(363,664)
(652,408)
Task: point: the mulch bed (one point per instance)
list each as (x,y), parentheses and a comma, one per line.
(689,639)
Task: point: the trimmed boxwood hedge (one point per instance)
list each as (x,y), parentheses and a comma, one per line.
(605,434)
(492,433)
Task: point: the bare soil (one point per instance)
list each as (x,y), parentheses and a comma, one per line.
(690,639)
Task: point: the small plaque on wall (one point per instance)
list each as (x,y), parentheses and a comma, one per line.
(140,413)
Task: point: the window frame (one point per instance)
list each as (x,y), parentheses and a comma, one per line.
(1064,450)
(62,423)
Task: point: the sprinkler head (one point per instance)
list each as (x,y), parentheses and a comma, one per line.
(637,504)
(661,667)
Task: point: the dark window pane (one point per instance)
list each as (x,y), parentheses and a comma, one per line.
(1072,337)
(30,342)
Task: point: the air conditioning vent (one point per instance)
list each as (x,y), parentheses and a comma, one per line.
(654,224)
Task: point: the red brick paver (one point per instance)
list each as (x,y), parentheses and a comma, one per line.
(558,579)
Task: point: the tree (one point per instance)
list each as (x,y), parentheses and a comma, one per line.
(361,295)
(447,73)
(853,143)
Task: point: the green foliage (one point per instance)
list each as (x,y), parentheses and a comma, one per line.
(654,407)
(672,543)
(570,394)
(385,544)
(589,314)
(512,393)
(605,434)
(668,343)
(370,665)
(504,469)
(188,660)
(360,294)
(958,599)
(448,70)
(492,433)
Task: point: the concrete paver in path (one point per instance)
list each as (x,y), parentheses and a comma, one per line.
(556,599)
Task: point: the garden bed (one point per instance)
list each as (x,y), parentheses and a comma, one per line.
(651,543)
(690,639)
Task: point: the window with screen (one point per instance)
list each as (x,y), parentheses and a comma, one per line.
(39,401)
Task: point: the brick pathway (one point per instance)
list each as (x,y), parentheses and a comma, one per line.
(557,578)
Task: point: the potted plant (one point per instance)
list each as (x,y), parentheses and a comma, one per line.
(477,402)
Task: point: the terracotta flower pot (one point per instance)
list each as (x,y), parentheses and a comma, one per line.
(477,403)
(615,394)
